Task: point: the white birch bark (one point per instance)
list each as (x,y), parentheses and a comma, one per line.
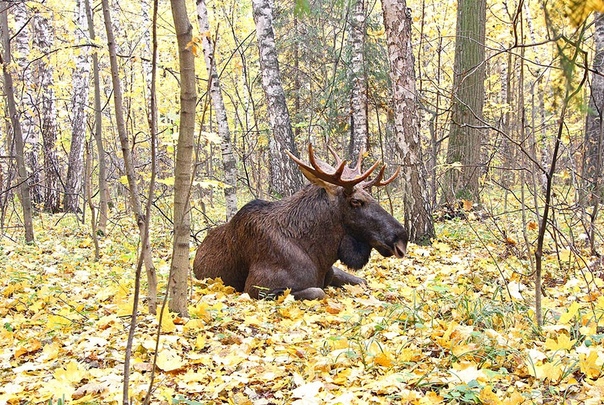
(229,162)
(28,99)
(359,139)
(79,104)
(418,218)
(44,42)
(285,177)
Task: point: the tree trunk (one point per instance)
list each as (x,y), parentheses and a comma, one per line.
(98,128)
(285,177)
(22,178)
(592,162)
(468,98)
(27,100)
(79,102)
(128,163)
(228,157)
(418,218)
(359,139)
(44,40)
(184,160)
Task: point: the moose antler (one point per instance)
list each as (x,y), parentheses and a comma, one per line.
(377,181)
(342,175)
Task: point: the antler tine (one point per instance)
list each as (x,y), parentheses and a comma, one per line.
(357,168)
(335,155)
(337,175)
(377,181)
(317,170)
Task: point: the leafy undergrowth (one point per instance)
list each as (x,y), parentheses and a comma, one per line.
(451,323)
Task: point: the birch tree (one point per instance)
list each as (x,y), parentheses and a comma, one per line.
(359,139)
(79,101)
(27,98)
(9,91)
(183,169)
(285,177)
(418,214)
(43,40)
(228,156)
(128,160)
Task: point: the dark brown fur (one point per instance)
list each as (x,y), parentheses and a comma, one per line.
(293,243)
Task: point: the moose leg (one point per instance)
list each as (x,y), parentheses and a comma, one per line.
(338,277)
(269,280)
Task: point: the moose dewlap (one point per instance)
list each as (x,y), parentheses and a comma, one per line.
(268,247)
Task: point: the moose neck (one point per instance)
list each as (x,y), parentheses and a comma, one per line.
(313,217)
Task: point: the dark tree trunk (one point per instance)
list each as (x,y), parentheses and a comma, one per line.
(468,98)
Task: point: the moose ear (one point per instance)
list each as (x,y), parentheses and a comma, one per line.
(331,189)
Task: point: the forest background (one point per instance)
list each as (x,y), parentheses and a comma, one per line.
(525,191)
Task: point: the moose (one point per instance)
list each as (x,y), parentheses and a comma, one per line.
(292,243)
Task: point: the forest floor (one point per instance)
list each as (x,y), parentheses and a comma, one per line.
(450,323)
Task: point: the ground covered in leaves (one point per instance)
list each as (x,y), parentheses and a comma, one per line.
(451,323)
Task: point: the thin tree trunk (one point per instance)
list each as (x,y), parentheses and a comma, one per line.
(79,102)
(98,128)
(359,139)
(418,215)
(285,177)
(22,178)
(128,163)
(468,99)
(184,160)
(44,40)
(229,162)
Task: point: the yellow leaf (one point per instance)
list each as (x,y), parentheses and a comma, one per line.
(167,321)
(291,312)
(572,310)
(57,322)
(193,325)
(169,360)
(579,10)
(283,296)
(194,46)
(384,359)
(547,371)
(562,343)
(30,347)
(334,308)
(200,342)
(72,373)
(488,397)
(590,364)
(342,377)
(200,311)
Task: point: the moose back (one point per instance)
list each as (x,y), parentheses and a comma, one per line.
(268,247)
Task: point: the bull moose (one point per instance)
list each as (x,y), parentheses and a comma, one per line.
(268,247)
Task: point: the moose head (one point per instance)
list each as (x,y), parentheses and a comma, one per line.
(269,247)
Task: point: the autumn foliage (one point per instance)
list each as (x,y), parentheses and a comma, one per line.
(447,324)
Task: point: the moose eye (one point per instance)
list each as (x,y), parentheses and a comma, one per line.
(356,203)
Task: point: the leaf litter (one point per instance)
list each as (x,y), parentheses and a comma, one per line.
(446,324)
